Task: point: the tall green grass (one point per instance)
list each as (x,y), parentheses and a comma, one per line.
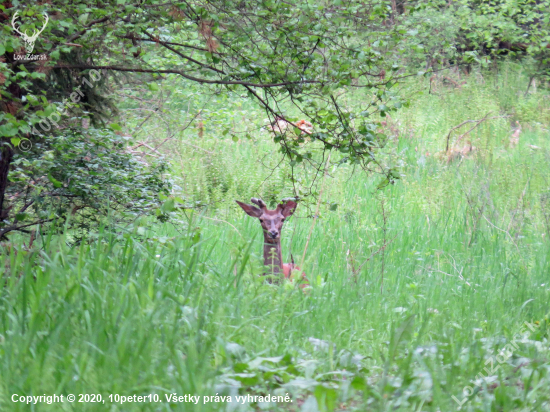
(462,249)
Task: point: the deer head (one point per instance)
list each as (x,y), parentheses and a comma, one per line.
(29,40)
(271,220)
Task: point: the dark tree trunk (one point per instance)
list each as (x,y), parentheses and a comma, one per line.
(7,106)
(6,156)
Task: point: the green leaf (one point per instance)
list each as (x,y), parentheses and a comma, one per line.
(359,383)
(401,334)
(37,75)
(115,127)
(8,130)
(153,87)
(20,217)
(168,206)
(310,405)
(54,181)
(83,18)
(248,379)
(383,183)
(326,398)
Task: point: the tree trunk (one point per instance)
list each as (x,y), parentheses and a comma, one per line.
(6,156)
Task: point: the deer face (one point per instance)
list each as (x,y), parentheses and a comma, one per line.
(271,220)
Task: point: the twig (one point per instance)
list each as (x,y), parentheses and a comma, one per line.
(448,274)
(143,122)
(504,231)
(147,146)
(373,254)
(478,122)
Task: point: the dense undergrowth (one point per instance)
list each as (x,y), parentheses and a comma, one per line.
(419,292)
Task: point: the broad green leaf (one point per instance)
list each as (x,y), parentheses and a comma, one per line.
(54,181)
(168,205)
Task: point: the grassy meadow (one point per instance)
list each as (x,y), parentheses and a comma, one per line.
(419,291)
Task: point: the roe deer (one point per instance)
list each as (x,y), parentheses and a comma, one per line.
(281,126)
(460,153)
(514,140)
(272,224)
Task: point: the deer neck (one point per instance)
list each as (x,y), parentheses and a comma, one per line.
(272,254)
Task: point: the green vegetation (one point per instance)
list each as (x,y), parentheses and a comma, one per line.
(289,60)
(181,309)
(129,277)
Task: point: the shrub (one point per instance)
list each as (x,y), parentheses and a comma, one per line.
(83,175)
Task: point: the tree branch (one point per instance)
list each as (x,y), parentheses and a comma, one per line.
(179,72)
(189,46)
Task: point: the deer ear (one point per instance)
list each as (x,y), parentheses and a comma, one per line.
(288,208)
(249,209)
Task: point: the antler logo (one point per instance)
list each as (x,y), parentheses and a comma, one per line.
(29,40)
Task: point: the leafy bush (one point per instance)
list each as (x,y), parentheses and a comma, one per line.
(83,175)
